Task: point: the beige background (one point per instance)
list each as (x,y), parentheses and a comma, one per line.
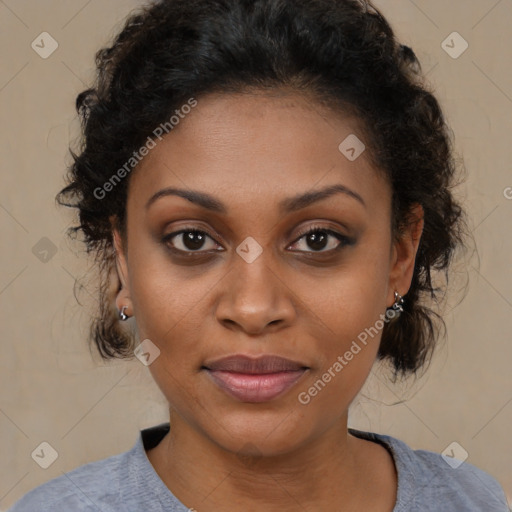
(53,390)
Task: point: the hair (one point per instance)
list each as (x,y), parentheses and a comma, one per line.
(341,52)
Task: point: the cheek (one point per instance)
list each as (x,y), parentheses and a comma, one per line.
(348,311)
(167,297)
(170,311)
(172,305)
(348,299)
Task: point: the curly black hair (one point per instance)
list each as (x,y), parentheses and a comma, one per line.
(340,52)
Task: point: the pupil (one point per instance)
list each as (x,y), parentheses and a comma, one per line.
(193,240)
(317,241)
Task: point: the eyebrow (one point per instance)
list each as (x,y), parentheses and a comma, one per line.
(287,205)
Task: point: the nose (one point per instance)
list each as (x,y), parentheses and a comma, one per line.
(255,298)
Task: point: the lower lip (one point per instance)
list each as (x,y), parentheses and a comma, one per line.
(255,388)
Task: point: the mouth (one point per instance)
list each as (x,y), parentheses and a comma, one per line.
(259,379)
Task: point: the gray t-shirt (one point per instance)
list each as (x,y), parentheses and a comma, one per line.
(128,482)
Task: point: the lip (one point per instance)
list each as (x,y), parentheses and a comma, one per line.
(240,363)
(251,379)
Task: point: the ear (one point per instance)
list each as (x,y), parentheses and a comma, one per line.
(123,297)
(403,254)
(121,264)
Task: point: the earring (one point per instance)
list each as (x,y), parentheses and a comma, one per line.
(122,315)
(397,308)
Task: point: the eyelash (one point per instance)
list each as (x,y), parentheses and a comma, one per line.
(344,240)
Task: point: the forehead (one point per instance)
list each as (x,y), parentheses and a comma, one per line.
(247,145)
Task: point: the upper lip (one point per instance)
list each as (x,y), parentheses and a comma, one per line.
(252,365)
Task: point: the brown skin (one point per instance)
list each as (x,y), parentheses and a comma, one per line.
(251,151)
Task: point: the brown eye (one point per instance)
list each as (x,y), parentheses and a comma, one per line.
(190,240)
(322,240)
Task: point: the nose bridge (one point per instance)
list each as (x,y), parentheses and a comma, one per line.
(254,296)
(252,273)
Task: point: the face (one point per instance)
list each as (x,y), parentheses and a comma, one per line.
(238,273)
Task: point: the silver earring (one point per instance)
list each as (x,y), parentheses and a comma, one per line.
(122,315)
(397,306)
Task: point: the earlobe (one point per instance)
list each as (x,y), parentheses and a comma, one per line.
(404,254)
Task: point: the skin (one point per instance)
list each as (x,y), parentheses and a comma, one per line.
(250,151)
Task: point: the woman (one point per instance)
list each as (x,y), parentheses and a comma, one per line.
(267,187)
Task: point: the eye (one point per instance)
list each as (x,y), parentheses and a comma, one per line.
(322,240)
(190,240)
(318,239)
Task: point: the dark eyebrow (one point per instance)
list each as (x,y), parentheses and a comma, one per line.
(287,205)
(301,201)
(200,198)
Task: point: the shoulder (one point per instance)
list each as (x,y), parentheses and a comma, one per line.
(429,480)
(88,488)
(464,484)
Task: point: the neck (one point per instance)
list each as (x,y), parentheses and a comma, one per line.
(320,475)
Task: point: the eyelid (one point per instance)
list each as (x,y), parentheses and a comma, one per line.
(317,227)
